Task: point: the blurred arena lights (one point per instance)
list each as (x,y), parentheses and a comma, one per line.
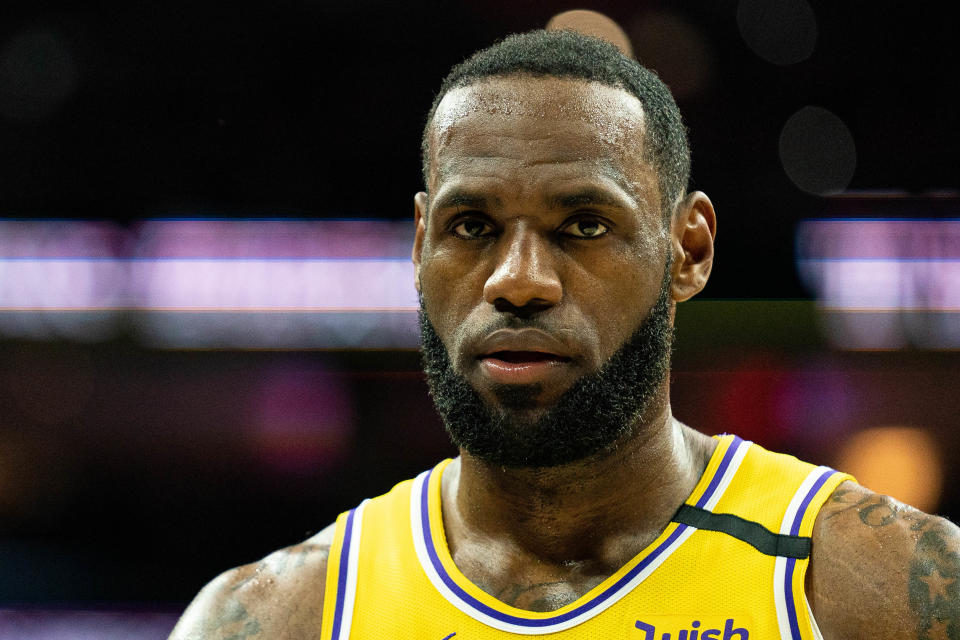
(899,461)
(36,624)
(212,283)
(61,279)
(884,284)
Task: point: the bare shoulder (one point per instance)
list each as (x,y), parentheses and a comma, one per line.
(279,597)
(882,569)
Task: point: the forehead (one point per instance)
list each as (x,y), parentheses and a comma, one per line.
(537,120)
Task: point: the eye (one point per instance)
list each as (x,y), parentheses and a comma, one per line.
(585,228)
(472,228)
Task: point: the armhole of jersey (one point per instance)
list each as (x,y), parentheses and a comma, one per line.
(341,581)
(813,623)
(794,614)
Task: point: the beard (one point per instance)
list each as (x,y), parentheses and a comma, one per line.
(590,418)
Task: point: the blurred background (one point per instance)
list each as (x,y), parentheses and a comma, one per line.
(207,319)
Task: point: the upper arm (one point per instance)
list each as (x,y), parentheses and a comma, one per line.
(884,570)
(279,597)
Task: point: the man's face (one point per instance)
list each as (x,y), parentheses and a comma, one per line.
(542,248)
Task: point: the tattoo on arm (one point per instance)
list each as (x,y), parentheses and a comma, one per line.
(935,583)
(876,510)
(919,555)
(278,563)
(234,620)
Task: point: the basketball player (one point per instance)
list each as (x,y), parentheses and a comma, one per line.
(553,241)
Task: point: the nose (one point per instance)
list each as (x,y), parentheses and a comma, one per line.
(524,279)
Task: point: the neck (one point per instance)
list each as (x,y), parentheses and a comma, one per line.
(601,511)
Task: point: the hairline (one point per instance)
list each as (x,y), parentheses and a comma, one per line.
(667,209)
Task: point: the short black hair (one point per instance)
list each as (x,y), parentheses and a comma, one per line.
(569,54)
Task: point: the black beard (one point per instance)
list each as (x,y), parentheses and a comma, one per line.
(591,417)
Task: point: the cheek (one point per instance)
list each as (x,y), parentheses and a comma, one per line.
(447,286)
(619,296)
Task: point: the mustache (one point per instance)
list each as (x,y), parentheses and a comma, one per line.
(541,322)
(507,321)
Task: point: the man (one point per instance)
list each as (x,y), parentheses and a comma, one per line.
(553,240)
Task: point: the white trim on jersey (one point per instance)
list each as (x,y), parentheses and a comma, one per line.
(780,577)
(350,587)
(727,478)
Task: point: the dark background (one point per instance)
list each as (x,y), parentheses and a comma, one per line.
(156,109)
(130,476)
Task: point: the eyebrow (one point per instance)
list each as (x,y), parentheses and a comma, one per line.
(585,196)
(466,200)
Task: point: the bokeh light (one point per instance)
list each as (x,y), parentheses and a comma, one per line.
(675,49)
(302,420)
(592,23)
(899,461)
(37,74)
(779,31)
(818,151)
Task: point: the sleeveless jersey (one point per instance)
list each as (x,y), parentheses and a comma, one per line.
(729,566)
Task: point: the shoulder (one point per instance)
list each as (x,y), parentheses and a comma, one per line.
(882,569)
(279,597)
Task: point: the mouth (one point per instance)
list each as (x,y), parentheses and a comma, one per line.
(520,357)
(521,367)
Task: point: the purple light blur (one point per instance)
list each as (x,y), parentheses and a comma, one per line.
(884,284)
(313,284)
(192,282)
(302,419)
(274,239)
(34,624)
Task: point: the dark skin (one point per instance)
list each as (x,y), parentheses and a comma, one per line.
(541,202)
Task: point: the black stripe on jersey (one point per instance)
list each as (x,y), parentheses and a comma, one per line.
(753,533)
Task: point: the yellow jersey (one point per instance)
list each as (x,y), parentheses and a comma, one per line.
(729,566)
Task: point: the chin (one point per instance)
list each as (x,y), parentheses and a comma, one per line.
(520,399)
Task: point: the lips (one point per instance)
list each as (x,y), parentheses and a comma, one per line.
(525,356)
(520,357)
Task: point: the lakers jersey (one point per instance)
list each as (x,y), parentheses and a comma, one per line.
(730,566)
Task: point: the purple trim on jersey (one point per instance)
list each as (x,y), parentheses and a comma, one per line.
(792,562)
(715,480)
(791,604)
(504,617)
(342,575)
(798,518)
(584,608)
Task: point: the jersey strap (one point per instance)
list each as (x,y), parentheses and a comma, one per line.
(341,584)
(793,612)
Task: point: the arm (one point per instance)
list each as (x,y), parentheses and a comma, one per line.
(279,597)
(883,570)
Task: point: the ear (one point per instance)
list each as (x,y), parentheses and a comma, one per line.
(420,223)
(693,229)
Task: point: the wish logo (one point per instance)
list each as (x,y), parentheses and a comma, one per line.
(693,630)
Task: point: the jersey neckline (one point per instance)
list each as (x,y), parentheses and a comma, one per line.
(434,555)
